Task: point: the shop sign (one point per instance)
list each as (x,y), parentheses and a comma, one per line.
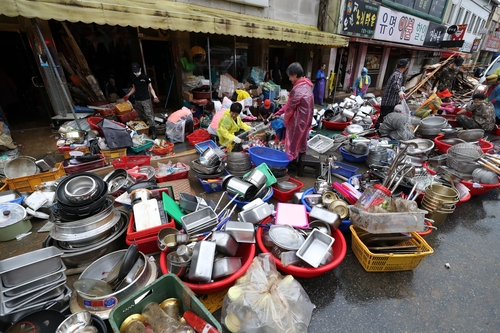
(460,33)
(400,27)
(359,18)
(435,34)
(492,44)
(475,45)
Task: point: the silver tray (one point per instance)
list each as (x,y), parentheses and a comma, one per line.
(202,262)
(27,287)
(30,266)
(315,247)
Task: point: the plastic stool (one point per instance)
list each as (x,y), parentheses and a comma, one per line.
(309,161)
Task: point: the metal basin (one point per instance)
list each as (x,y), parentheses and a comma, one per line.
(423,146)
(471,135)
(80,188)
(99,270)
(75,322)
(21,167)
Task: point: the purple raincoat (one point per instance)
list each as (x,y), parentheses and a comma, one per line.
(298,115)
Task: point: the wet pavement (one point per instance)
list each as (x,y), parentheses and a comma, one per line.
(432,298)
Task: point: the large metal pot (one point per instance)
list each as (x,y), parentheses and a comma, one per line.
(358,148)
(12,221)
(209,158)
(118,179)
(256,177)
(236,186)
(99,269)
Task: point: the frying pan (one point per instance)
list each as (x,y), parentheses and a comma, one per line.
(61,196)
(44,321)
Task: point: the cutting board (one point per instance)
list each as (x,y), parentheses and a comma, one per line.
(146,214)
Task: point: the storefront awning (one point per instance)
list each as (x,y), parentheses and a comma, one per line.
(170,15)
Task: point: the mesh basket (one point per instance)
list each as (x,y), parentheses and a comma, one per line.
(465,152)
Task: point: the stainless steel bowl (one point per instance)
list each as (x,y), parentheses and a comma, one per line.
(75,136)
(200,168)
(80,188)
(434,122)
(75,322)
(354,129)
(471,135)
(423,146)
(118,179)
(209,158)
(20,167)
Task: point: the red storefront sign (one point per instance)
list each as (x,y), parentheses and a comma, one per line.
(492,44)
(459,35)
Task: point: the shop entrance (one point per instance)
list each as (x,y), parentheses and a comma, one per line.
(22,95)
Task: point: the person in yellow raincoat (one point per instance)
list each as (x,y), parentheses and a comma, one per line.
(229,124)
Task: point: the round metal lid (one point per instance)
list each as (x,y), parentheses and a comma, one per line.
(286,237)
(11,213)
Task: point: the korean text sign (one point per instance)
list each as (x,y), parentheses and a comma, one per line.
(394,26)
(360,17)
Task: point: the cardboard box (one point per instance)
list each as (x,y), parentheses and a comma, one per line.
(187,95)
(256,92)
(123,108)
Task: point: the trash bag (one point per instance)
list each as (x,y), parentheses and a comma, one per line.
(175,132)
(264,300)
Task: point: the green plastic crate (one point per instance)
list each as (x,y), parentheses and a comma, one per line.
(142,147)
(271,179)
(167,286)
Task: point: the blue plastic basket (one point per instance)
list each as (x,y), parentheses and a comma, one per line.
(240,204)
(272,157)
(212,186)
(202,146)
(343,169)
(351,157)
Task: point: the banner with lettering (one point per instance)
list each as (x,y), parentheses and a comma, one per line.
(491,44)
(359,18)
(435,34)
(394,26)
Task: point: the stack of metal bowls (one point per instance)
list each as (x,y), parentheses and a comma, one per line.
(210,163)
(377,156)
(238,164)
(430,127)
(439,201)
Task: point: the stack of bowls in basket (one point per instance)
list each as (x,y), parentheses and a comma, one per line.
(238,164)
(210,164)
(86,223)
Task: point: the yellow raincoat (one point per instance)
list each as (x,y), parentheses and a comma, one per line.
(227,128)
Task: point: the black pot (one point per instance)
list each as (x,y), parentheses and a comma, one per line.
(61,196)
(67,213)
(44,321)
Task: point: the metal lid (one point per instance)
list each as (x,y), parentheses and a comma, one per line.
(11,213)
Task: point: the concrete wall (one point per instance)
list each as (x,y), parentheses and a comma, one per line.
(295,11)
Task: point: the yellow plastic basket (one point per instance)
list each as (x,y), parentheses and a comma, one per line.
(111,155)
(28,183)
(375,262)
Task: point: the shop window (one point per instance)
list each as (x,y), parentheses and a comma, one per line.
(470,27)
(466,18)
(452,12)
(459,15)
(478,24)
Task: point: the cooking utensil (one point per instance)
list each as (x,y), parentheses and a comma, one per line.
(225,267)
(315,247)
(43,321)
(243,232)
(20,167)
(225,243)
(75,322)
(202,261)
(128,262)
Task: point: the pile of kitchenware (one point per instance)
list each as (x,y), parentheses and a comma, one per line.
(431,126)
(81,322)
(256,184)
(30,281)
(111,279)
(354,109)
(439,200)
(323,196)
(210,163)
(86,224)
(238,163)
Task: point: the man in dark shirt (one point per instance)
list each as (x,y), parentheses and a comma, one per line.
(393,92)
(448,74)
(276,71)
(143,90)
(266,110)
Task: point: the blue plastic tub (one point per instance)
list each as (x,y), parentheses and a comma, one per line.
(343,169)
(212,186)
(240,204)
(351,157)
(272,157)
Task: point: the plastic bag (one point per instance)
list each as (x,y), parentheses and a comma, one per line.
(264,300)
(175,131)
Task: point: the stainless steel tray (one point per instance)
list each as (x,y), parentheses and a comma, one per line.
(316,246)
(333,219)
(243,232)
(256,214)
(37,284)
(202,262)
(225,243)
(225,267)
(30,266)
(40,296)
(202,220)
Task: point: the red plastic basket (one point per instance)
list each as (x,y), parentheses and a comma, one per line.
(163,150)
(335,126)
(245,251)
(71,169)
(496,130)
(128,162)
(146,245)
(443,147)
(147,233)
(93,121)
(484,188)
(284,196)
(198,136)
(174,176)
(339,251)
(106,112)
(132,115)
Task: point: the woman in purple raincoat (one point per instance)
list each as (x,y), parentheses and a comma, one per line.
(298,112)
(319,88)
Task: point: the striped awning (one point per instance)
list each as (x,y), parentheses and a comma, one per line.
(170,15)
